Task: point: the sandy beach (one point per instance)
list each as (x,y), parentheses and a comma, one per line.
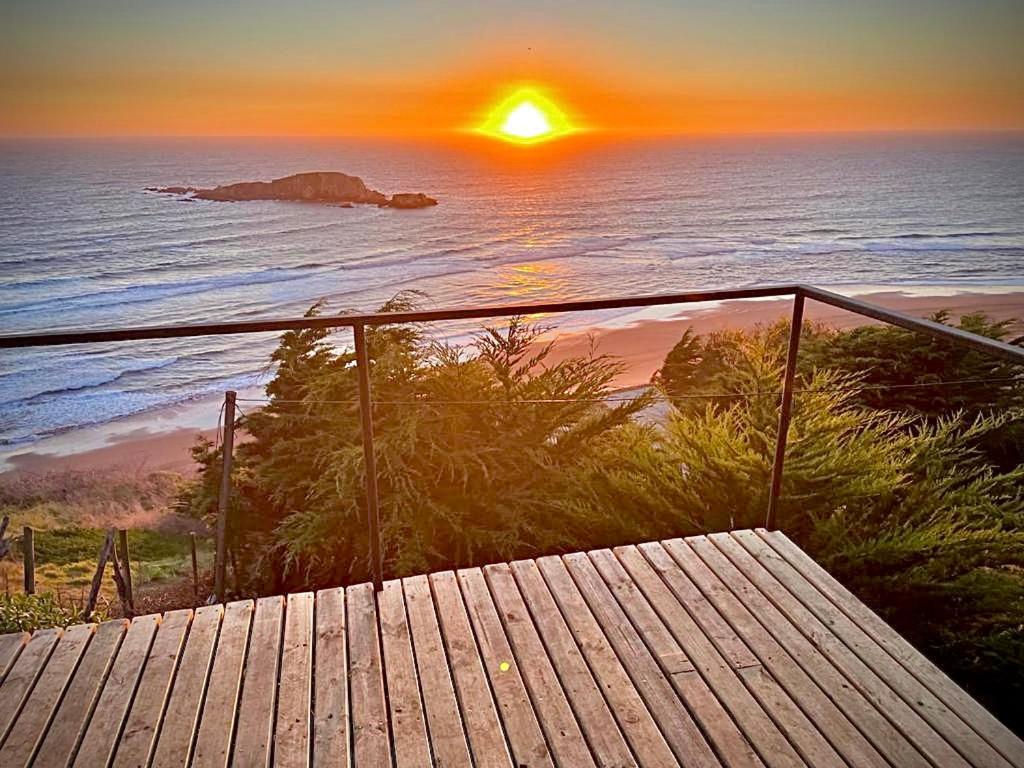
(641,346)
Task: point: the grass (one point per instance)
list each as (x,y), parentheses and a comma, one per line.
(70,512)
(66,561)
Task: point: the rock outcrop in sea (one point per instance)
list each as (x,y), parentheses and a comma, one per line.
(316,187)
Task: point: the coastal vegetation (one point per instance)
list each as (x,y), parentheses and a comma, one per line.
(69,512)
(495,450)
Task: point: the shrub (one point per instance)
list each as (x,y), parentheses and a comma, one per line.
(27,613)
(473,447)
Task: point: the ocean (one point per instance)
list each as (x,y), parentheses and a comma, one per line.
(82,245)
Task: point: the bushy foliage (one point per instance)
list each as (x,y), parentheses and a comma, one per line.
(472,445)
(889,358)
(896,370)
(27,613)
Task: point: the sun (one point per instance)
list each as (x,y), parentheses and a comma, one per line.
(526,117)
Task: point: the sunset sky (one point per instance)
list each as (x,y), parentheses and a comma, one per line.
(309,67)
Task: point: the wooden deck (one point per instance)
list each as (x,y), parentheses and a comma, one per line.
(731,649)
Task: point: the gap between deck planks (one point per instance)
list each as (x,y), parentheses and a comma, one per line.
(729,649)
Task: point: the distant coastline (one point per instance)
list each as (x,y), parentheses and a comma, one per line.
(159,441)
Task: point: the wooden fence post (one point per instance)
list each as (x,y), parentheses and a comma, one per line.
(126,566)
(234,571)
(122,589)
(28,549)
(195,566)
(97,579)
(5,545)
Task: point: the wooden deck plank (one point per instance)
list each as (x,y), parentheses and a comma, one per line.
(961,736)
(75,710)
(371,743)
(11,646)
(487,739)
(678,668)
(23,675)
(292,730)
(217,722)
(330,702)
(543,592)
(979,718)
(525,737)
(408,723)
(30,727)
(749,694)
(177,733)
(259,685)
(671,715)
(554,713)
(444,721)
(143,724)
(721,605)
(101,736)
(930,742)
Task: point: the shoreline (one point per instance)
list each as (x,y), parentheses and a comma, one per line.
(160,441)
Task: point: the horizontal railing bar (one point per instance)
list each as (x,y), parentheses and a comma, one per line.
(938,330)
(86,336)
(43,339)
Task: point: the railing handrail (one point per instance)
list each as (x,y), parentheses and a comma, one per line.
(99,335)
(867,309)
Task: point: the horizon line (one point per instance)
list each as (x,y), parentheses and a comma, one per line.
(597,134)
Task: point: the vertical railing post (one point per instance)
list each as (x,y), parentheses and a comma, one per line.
(369,459)
(228,448)
(785,410)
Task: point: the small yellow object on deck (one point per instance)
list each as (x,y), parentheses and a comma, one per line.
(504,666)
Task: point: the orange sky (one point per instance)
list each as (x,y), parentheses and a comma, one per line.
(408,69)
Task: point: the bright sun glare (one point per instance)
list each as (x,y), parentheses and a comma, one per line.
(526,122)
(526,117)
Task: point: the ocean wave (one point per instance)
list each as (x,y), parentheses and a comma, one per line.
(156,291)
(83,382)
(61,415)
(932,235)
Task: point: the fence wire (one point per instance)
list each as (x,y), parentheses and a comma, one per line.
(660,396)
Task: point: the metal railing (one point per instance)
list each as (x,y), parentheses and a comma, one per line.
(359,322)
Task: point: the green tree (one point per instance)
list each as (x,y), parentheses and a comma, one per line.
(895,370)
(471,444)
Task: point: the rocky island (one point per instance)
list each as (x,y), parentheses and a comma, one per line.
(316,187)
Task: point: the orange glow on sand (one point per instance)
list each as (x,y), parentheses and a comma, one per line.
(527,116)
